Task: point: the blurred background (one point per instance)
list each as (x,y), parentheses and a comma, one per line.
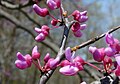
(17,22)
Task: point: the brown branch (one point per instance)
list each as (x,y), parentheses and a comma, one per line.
(16,6)
(44,78)
(91,41)
(12,19)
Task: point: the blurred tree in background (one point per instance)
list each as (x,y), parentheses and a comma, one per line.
(17,22)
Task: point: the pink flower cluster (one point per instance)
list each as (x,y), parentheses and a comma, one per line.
(72,64)
(105,54)
(42,33)
(26,61)
(79,17)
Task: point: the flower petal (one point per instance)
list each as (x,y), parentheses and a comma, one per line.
(20,56)
(78,33)
(21,64)
(69,70)
(109,39)
(47,57)
(109,51)
(40,37)
(68,54)
(38,30)
(117,57)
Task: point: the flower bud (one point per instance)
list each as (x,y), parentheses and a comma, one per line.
(40,11)
(109,51)
(54,22)
(53,4)
(40,37)
(78,33)
(75,27)
(35,53)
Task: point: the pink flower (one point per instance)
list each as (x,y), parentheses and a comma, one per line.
(50,63)
(117,58)
(42,33)
(109,39)
(35,53)
(23,62)
(117,71)
(54,22)
(53,4)
(109,51)
(40,11)
(80,16)
(47,57)
(72,65)
(78,33)
(75,27)
(112,42)
(98,54)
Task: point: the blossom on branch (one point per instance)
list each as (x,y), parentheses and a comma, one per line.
(72,65)
(53,4)
(42,33)
(40,11)
(23,62)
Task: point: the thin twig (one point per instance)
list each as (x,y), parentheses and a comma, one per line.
(91,41)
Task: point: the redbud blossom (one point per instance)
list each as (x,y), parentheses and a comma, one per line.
(117,58)
(40,11)
(23,62)
(75,27)
(78,33)
(53,4)
(109,51)
(73,65)
(83,26)
(80,16)
(42,33)
(109,39)
(98,54)
(40,37)
(35,53)
(47,57)
(54,22)
(117,71)
(50,63)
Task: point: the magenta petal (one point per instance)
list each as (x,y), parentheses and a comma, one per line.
(21,64)
(20,56)
(83,26)
(110,51)
(35,50)
(28,59)
(92,49)
(78,33)
(117,57)
(109,39)
(68,54)
(47,57)
(64,63)
(51,4)
(75,27)
(69,70)
(117,71)
(54,63)
(83,13)
(40,37)
(38,30)
(98,55)
(83,19)
(40,11)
